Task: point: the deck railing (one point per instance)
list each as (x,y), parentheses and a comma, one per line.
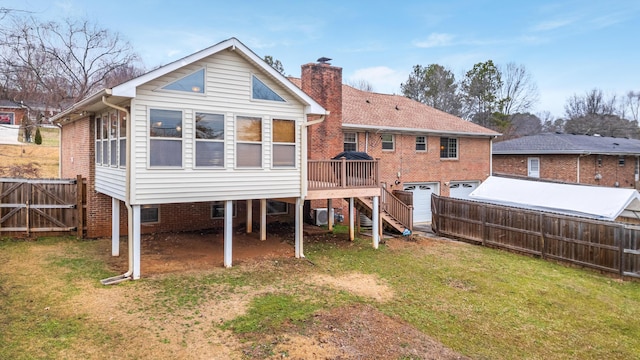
(397,209)
(345,174)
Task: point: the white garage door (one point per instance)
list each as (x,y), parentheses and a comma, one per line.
(422,200)
(462,189)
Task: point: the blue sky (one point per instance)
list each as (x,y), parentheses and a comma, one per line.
(568,46)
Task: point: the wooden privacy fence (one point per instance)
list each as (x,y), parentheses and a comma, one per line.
(603,245)
(41,206)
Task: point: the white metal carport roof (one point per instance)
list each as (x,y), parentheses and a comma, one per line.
(598,202)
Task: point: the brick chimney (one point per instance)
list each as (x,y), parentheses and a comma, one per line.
(323,83)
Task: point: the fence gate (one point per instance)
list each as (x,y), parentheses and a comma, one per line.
(41,205)
(631,251)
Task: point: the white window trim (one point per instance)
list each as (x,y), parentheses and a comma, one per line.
(355,140)
(148,136)
(233,206)
(425,143)
(235,143)
(393,142)
(251,98)
(457,148)
(194,141)
(530,173)
(278,213)
(295,144)
(203,93)
(150,222)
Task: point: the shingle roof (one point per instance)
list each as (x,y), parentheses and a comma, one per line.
(554,143)
(363,109)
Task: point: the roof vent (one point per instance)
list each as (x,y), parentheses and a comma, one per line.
(324,60)
(397,108)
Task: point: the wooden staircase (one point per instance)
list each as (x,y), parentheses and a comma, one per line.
(394,214)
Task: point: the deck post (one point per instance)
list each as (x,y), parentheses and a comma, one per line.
(135,250)
(375,217)
(329,212)
(298,229)
(228,232)
(115,227)
(249,216)
(351,219)
(263,219)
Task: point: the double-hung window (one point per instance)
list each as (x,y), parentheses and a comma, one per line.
(350,141)
(105,139)
(98,141)
(284,143)
(209,140)
(248,142)
(123,139)
(421,143)
(113,138)
(387,142)
(448,148)
(165,132)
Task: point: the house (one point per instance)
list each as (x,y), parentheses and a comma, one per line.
(216,139)
(11,112)
(579,159)
(421,150)
(596,202)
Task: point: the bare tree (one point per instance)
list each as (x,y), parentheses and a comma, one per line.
(518,92)
(593,102)
(62,62)
(631,106)
(361,84)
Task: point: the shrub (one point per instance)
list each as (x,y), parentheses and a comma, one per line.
(38,139)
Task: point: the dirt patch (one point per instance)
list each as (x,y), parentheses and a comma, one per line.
(365,285)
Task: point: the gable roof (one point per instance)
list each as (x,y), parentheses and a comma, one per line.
(554,143)
(127,89)
(597,202)
(375,111)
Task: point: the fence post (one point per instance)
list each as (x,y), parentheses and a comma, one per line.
(483,216)
(79,207)
(621,241)
(28,208)
(543,247)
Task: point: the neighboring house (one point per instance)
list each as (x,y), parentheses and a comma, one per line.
(420,149)
(582,159)
(11,112)
(216,139)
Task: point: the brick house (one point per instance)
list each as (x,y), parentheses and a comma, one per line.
(11,112)
(420,149)
(217,139)
(568,158)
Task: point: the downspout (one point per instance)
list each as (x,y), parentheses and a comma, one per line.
(127,200)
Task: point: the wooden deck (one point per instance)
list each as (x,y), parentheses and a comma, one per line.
(333,179)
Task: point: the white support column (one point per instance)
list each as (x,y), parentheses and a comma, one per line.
(375,217)
(263,219)
(329,217)
(299,236)
(115,227)
(351,219)
(249,216)
(228,232)
(135,250)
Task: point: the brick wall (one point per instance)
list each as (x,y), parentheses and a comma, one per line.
(603,170)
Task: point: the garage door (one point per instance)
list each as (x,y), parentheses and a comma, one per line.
(462,189)
(422,200)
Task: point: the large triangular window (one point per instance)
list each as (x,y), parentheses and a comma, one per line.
(193,83)
(263,92)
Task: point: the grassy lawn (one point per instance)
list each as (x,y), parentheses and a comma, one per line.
(483,303)
(44,157)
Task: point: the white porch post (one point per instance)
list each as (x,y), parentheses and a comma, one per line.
(263,219)
(228,232)
(135,250)
(329,217)
(298,230)
(115,227)
(351,220)
(375,227)
(249,216)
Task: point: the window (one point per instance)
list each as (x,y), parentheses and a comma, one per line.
(533,167)
(448,148)
(621,161)
(387,142)
(6,117)
(165,131)
(277,207)
(105,140)
(217,210)
(249,141)
(98,140)
(149,214)
(113,138)
(123,139)
(421,143)
(193,83)
(260,91)
(284,143)
(209,140)
(350,141)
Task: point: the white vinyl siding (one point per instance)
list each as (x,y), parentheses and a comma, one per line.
(228,92)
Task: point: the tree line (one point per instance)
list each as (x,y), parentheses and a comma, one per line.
(501,98)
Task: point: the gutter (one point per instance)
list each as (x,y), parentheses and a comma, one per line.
(127,199)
